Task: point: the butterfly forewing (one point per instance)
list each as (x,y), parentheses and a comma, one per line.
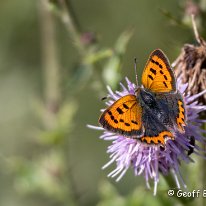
(123,116)
(158,75)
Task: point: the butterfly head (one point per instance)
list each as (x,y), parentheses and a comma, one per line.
(147,97)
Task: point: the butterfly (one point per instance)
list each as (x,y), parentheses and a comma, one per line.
(155,111)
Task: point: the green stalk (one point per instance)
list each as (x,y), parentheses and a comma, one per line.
(50,65)
(71,27)
(51,80)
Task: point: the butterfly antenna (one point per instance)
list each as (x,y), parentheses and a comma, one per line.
(135,68)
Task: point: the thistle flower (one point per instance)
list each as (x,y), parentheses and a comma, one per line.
(152,160)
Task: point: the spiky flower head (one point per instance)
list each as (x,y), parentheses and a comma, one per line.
(153,160)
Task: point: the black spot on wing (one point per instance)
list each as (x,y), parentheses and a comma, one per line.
(165,84)
(109,112)
(125,106)
(157,63)
(165,77)
(150,77)
(119,111)
(112,117)
(134,122)
(153,71)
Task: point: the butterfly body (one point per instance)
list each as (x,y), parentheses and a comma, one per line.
(155,110)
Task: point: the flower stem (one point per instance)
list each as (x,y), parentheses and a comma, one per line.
(50,65)
(71,27)
(51,80)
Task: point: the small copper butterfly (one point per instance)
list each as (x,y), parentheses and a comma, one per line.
(156,109)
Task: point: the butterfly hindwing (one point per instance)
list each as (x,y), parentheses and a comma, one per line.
(178,107)
(124,117)
(158,76)
(155,131)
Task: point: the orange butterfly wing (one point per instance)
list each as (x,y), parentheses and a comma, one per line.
(158,76)
(181,116)
(123,117)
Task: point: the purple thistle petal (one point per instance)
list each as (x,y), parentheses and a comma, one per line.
(192,98)
(95,127)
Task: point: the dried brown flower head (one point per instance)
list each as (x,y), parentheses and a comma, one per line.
(191,65)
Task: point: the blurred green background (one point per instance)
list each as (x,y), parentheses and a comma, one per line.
(56,58)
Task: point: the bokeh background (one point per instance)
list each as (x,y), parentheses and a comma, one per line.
(56,58)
